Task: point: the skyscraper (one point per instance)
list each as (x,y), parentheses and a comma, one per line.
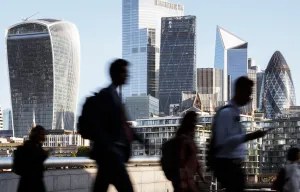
(279,92)
(210,81)
(252,74)
(231,57)
(43,62)
(260,76)
(7,119)
(141,21)
(177,61)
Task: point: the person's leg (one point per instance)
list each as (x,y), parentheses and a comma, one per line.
(121,179)
(236,183)
(102,179)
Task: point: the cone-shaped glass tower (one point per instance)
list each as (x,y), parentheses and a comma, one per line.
(279,90)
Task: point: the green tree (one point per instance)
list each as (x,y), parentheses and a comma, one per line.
(83,151)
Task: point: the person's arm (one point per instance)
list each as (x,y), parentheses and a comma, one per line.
(255,135)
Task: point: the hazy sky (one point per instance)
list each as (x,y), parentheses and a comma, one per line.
(267,26)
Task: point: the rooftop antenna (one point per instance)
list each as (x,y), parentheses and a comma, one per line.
(25,19)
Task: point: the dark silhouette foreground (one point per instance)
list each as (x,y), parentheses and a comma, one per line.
(28,162)
(112,135)
(179,158)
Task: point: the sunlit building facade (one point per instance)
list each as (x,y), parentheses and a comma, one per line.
(231,57)
(177,60)
(279,92)
(260,76)
(141,24)
(156,131)
(43,61)
(210,81)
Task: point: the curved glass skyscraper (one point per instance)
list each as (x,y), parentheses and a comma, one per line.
(43,61)
(279,92)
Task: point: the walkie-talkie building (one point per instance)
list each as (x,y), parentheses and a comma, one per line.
(43,61)
(279,92)
(177,60)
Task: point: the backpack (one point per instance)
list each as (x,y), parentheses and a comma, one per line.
(211,149)
(18,166)
(169,159)
(86,125)
(279,182)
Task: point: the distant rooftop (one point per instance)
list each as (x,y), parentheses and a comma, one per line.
(49,20)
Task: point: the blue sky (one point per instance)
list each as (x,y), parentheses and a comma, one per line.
(266,25)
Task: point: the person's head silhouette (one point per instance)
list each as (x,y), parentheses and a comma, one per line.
(188,124)
(293,154)
(37,134)
(243,90)
(118,71)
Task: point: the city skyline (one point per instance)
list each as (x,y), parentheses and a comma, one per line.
(266,26)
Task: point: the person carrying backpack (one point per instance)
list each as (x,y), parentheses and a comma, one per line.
(28,162)
(104,121)
(230,138)
(183,159)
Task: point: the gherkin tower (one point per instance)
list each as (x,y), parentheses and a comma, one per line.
(279,92)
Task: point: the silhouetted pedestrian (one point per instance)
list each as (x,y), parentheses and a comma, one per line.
(230,138)
(111,148)
(30,163)
(288,178)
(189,165)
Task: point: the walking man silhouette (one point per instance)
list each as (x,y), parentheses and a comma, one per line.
(230,138)
(111,148)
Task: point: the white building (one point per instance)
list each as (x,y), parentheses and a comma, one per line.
(156,131)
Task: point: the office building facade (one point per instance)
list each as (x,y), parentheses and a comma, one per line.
(141,107)
(141,23)
(279,92)
(7,119)
(252,74)
(43,61)
(231,57)
(210,81)
(156,131)
(177,60)
(260,77)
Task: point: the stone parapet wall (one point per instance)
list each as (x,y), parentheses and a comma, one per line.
(144,179)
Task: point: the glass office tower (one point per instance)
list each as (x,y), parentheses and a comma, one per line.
(279,92)
(43,61)
(231,57)
(177,60)
(141,21)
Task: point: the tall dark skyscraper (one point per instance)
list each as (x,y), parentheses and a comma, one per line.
(177,60)
(43,61)
(141,22)
(279,92)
